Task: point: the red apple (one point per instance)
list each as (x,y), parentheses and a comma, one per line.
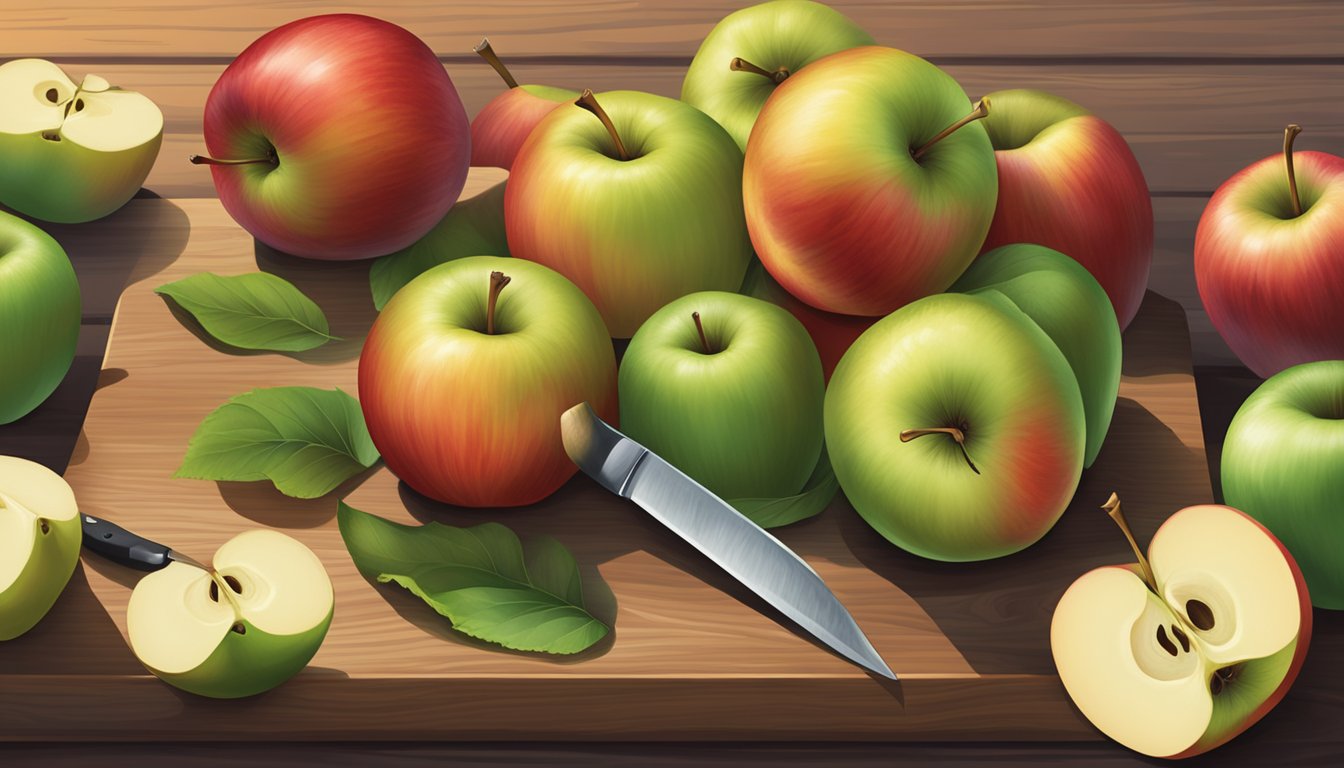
(502,126)
(831,333)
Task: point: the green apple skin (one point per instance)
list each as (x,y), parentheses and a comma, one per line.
(1283,464)
(779,35)
(55,553)
(1063,298)
(745,421)
(60,181)
(39,316)
(978,364)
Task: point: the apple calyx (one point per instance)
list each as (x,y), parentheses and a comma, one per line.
(700,328)
(484,50)
(980,112)
(497,282)
(1289,134)
(955,433)
(1112,507)
(207,160)
(742,65)
(589,102)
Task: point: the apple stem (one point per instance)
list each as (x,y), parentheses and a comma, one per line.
(484,50)
(980,112)
(497,282)
(742,65)
(1289,134)
(1112,507)
(700,328)
(589,102)
(206,160)
(956,434)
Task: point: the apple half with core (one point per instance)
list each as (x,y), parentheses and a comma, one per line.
(336,137)
(638,204)
(956,428)
(831,333)
(1269,259)
(1283,464)
(39,542)
(72,153)
(244,627)
(729,390)
(1180,652)
(1068,180)
(501,127)
(462,381)
(752,50)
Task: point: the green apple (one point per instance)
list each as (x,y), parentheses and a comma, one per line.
(39,316)
(752,50)
(1063,298)
(1283,464)
(728,389)
(72,152)
(956,428)
(39,542)
(246,626)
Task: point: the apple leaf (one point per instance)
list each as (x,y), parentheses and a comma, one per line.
(809,502)
(481,578)
(252,311)
(306,441)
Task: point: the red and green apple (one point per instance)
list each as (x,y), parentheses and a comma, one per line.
(501,127)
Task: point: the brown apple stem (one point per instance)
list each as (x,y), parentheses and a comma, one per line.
(484,50)
(205,160)
(1112,507)
(980,112)
(1289,134)
(700,328)
(742,65)
(497,282)
(956,434)
(589,102)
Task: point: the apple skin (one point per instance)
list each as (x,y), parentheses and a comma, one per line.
(32,593)
(977,363)
(745,422)
(471,419)
(371,140)
(839,211)
(1270,281)
(500,128)
(1281,464)
(39,316)
(788,34)
(634,235)
(1068,181)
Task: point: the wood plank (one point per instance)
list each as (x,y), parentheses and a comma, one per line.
(1167,28)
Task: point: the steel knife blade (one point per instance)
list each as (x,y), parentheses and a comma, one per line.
(121,546)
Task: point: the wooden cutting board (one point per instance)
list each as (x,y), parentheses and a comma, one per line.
(693,655)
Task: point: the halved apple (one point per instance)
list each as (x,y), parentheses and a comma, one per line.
(1175,658)
(39,542)
(245,627)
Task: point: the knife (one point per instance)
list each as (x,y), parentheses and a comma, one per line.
(125,548)
(745,550)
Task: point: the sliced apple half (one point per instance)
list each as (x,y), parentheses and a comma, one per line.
(1184,650)
(39,542)
(247,626)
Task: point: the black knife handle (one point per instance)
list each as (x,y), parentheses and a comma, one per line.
(121,546)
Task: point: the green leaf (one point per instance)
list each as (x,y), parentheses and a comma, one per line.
(481,578)
(473,227)
(809,502)
(253,311)
(306,441)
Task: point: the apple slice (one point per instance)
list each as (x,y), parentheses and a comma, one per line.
(39,542)
(247,626)
(1178,654)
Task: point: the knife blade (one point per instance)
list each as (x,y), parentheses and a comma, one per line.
(121,546)
(745,550)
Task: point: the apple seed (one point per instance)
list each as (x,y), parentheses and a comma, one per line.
(234,584)
(1200,614)
(52,95)
(1165,641)
(214,591)
(1181,637)
(239,628)
(1221,678)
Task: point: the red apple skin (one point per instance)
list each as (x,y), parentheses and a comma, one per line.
(831,333)
(501,127)
(1272,285)
(372,139)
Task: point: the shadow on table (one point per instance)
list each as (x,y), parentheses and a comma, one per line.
(340,288)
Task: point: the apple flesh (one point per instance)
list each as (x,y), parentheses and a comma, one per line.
(39,542)
(500,128)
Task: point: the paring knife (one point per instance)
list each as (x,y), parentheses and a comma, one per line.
(121,546)
(742,548)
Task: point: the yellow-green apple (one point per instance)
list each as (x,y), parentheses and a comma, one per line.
(956,427)
(831,333)
(752,50)
(337,137)
(39,542)
(1178,653)
(1269,259)
(1283,464)
(1068,180)
(39,316)
(639,203)
(501,127)
(867,184)
(462,380)
(729,390)
(72,153)
(1061,297)
(247,625)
